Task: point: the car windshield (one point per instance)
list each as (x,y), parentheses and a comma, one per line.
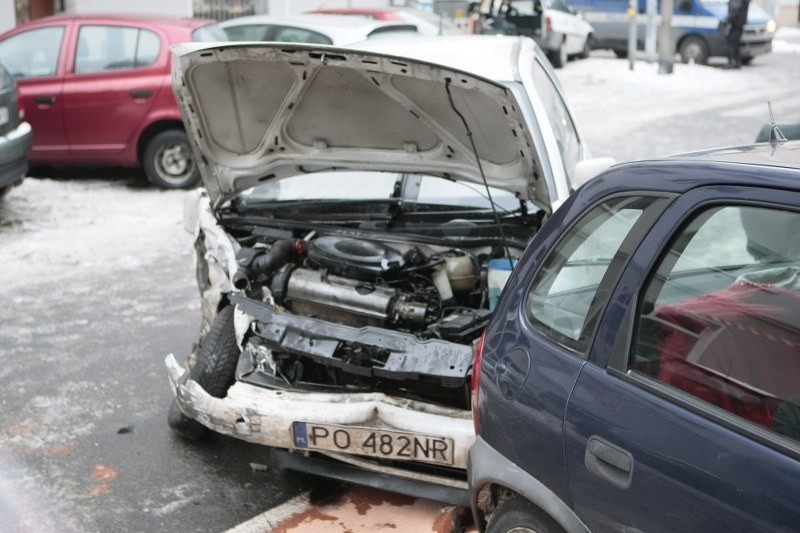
(209,33)
(358,186)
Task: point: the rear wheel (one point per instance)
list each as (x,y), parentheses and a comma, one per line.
(214,370)
(587,47)
(747,60)
(168,161)
(693,49)
(518,515)
(559,57)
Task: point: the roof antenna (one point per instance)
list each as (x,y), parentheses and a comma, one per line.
(775,134)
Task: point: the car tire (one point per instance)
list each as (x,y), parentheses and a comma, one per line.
(587,47)
(558,58)
(168,161)
(747,60)
(518,515)
(214,370)
(693,48)
(621,54)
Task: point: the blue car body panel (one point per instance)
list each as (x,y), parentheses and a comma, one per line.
(685,466)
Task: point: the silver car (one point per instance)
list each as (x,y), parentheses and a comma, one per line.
(360,214)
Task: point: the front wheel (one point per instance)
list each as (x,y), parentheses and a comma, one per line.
(693,49)
(518,515)
(214,370)
(168,161)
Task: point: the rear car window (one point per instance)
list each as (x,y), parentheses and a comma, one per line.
(249,32)
(720,318)
(105,48)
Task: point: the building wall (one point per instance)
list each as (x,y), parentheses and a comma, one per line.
(181,8)
(8,18)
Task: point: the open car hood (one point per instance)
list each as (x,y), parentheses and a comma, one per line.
(261,111)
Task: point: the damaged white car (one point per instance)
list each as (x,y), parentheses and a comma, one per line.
(358,215)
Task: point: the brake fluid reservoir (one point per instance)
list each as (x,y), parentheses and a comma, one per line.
(460,273)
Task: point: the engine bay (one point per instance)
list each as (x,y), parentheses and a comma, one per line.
(337,311)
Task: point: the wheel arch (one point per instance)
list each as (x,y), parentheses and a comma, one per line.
(487,490)
(152,130)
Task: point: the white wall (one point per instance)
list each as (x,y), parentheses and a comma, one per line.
(8,18)
(181,8)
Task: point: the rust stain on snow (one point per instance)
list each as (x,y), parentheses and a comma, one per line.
(62,450)
(101,476)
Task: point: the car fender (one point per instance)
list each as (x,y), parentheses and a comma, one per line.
(486,466)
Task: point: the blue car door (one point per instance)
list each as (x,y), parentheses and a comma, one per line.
(687,416)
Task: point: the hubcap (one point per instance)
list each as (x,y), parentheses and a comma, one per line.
(174,162)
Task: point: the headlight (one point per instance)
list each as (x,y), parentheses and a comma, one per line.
(771,26)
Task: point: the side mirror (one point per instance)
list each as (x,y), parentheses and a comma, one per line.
(589,168)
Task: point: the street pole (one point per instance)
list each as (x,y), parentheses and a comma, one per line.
(631,32)
(650,34)
(666,42)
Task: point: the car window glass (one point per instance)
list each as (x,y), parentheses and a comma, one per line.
(250,32)
(5,79)
(565,291)
(458,193)
(103,48)
(720,318)
(526,7)
(209,33)
(287,34)
(33,53)
(564,129)
(327,185)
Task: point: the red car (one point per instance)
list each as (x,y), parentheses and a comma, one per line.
(97,90)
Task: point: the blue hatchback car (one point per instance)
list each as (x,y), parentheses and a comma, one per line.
(641,371)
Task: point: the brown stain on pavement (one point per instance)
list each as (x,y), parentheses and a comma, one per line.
(364,498)
(306,516)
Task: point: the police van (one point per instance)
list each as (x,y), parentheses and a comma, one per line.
(695,23)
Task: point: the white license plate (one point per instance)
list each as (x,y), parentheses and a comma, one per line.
(373,442)
(3,115)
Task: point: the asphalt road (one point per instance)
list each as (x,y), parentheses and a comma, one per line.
(97,286)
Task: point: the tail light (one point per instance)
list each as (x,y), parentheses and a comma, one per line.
(548,24)
(476,381)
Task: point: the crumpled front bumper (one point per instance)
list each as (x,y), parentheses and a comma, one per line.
(265,416)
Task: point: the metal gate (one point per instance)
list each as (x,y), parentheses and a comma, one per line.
(227,9)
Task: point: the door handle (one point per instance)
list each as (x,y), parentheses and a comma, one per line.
(144,93)
(44,99)
(609,461)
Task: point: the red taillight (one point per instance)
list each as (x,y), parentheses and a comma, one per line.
(476,381)
(548,24)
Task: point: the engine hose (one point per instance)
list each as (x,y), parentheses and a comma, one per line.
(279,254)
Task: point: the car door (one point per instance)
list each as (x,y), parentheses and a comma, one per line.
(688,416)
(564,22)
(115,74)
(35,58)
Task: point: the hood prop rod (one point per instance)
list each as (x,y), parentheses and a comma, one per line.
(480,168)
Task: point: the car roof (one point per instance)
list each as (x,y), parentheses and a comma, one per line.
(754,165)
(163,20)
(318,20)
(479,54)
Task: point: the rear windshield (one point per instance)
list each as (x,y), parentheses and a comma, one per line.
(209,33)
(396,30)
